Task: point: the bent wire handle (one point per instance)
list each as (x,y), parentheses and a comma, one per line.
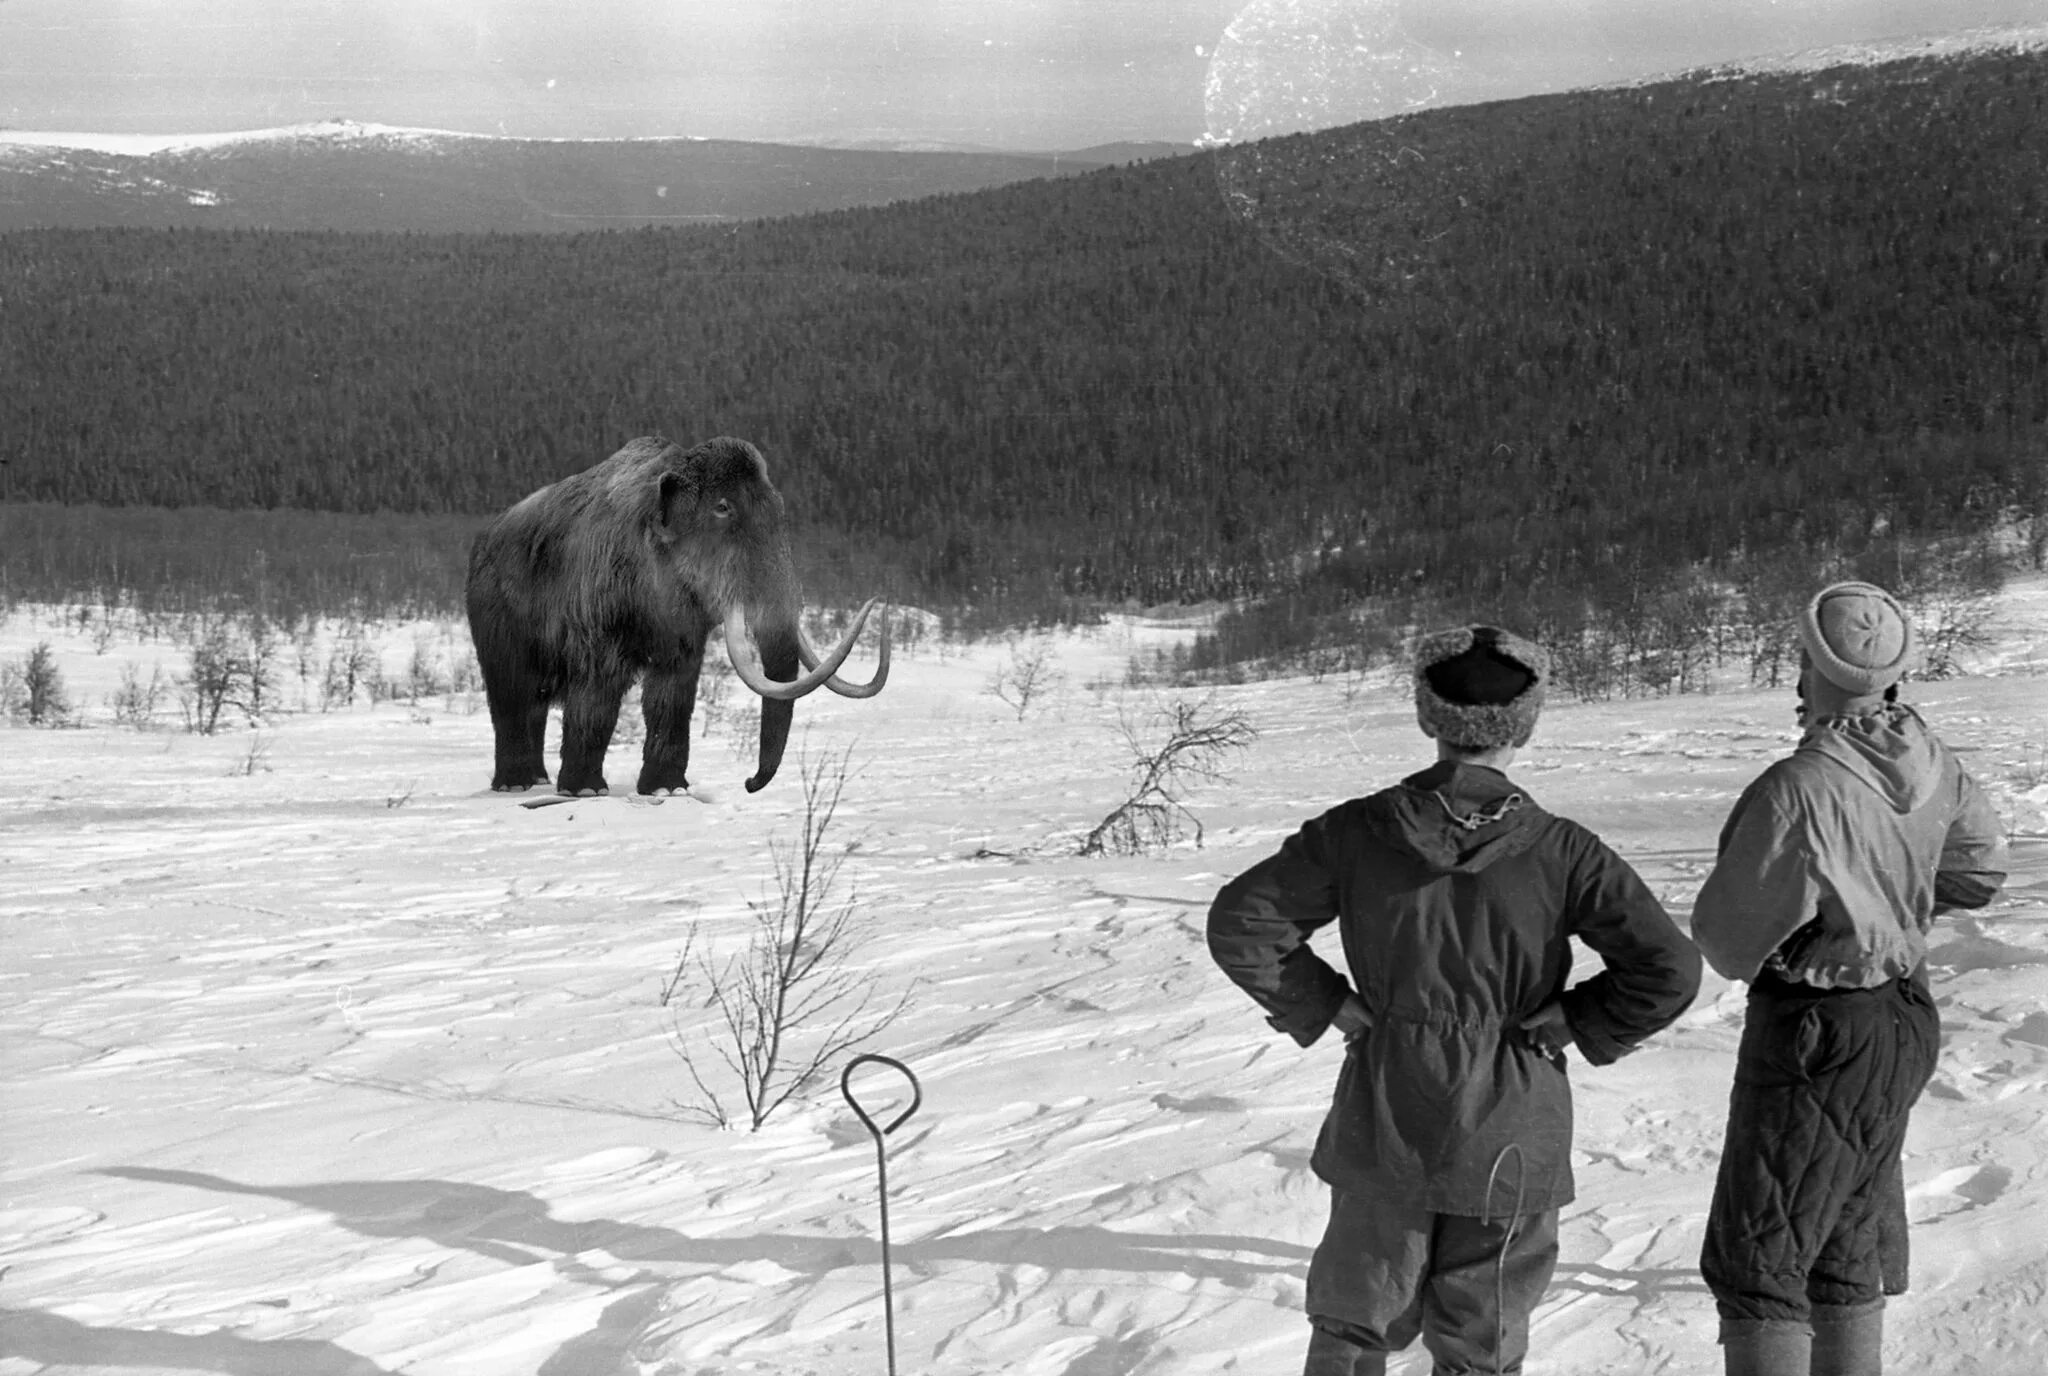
(846,1089)
(880,1133)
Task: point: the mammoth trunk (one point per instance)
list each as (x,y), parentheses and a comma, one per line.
(777,644)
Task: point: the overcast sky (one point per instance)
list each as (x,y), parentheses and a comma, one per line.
(1024,74)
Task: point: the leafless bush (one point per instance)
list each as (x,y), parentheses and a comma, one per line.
(465,675)
(134,702)
(1949,589)
(32,689)
(102,627)
(213,677)
(1584,660)
(259,645)
(253,760)
(48,705)
(1952,621)
(1026,676)
(423,677)
(713,696)
(352,664)
(793,1001)
(1187,744)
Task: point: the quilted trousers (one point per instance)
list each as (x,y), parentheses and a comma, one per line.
(1807,1209)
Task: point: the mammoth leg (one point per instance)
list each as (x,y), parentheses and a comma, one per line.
(519,723)
(590,709)
(667,699)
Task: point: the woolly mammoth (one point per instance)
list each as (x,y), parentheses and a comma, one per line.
(622,572)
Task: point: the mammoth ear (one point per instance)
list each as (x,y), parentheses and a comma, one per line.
(671,493)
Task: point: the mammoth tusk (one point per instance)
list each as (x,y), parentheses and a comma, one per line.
(811,659)
(746,660)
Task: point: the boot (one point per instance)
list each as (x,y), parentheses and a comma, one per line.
(1766,1347)
(1848,1339)
(1332,1355)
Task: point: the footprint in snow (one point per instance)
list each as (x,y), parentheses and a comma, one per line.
(2033,1030)
(1957,1191)
(1201,1103)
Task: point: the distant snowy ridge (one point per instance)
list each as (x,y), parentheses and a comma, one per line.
(332,130)
(2020,38)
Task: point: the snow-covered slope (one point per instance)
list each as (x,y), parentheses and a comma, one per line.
(320,1058)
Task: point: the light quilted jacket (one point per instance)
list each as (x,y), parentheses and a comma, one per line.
(1837,858)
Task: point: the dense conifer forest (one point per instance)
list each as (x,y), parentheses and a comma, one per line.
(1538,359)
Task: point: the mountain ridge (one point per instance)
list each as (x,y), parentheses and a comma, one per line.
(347,175)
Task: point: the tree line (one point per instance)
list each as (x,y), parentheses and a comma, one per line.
(1556,348)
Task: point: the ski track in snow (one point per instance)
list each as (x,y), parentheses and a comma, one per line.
(345,1065)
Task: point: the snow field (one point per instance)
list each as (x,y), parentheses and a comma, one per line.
(330,1060)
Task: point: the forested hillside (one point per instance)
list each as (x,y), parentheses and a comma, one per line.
(1511,356)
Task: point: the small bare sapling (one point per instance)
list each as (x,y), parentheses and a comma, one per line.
(229,669)
(1186,744)
(1027,676)
(793,1002)
(135,702)
(352,664)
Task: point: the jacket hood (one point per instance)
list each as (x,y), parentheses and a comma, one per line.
(1455,816)
(1892,751)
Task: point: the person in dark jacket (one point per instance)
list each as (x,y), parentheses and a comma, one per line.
(1448,1145)
(1832,866)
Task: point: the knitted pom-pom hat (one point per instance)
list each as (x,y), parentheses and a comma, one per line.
(1858,636)
(1479,687)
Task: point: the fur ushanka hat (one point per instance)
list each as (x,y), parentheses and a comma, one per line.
(1479,687)
(1858,636)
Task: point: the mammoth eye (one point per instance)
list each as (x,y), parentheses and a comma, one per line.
(722,509)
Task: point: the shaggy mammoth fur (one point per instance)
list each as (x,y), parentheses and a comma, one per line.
(621,572)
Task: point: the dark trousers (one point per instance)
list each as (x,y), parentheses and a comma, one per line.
(1808,1206)
(1386,1272)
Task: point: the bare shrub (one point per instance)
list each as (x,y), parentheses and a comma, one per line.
(253,760)
(1952,623)
(1584,660)
(1187,744)
(213,678)
(793,1001)
(135,703)
(102,628)
(1027,676)
(465,675)
(44,699)
(423,677)
(743,733)
(352,665)
(32,689)
(714,698)
(1949,590)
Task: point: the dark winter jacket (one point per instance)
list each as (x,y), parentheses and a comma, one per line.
(1836,859)
(1455,897)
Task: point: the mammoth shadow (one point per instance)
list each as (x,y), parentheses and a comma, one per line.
(620,573)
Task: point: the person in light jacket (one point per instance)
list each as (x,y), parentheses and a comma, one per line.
(1456,898)
(1832,866)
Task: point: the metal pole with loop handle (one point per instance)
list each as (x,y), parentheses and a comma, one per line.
(880,1133)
